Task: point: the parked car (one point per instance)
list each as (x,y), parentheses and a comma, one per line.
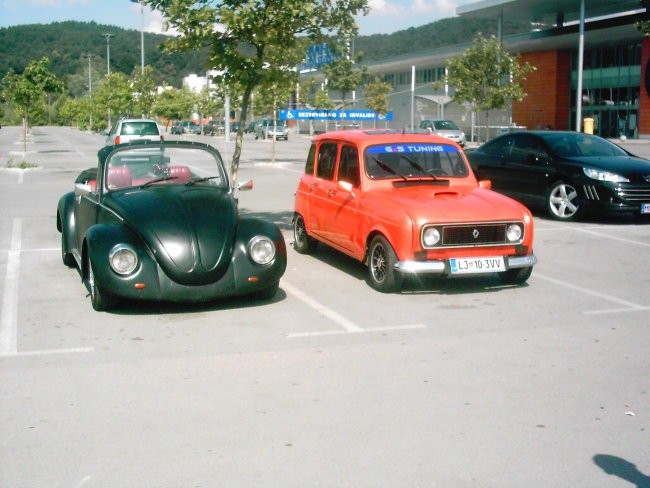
(408,204)
(212,128)
(186,127)
(269,128)
(144,226)
(127,130)
(569,173)
(444,128)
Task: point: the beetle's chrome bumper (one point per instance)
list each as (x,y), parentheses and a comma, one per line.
(441,267)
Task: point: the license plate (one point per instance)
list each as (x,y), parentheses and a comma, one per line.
(645,208)
(489,264)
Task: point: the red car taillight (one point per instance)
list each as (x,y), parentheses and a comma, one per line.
(117,139)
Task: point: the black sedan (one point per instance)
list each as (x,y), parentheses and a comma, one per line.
(159,221)
(570,173)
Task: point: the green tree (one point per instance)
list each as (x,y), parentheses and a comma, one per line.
(26,92)
(144,89)
(268,101)
(253,42)
(174,104)
(376,93)
(487,76)
(114,96)
(208,102)
(342,76)
(322,101)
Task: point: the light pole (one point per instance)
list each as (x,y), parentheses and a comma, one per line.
(141,35)
(108,67)
(90,83)
(108,52)
(90,78)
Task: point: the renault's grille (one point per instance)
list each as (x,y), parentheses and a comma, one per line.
(478,234)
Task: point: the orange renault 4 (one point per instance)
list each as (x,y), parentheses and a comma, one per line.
(408,204)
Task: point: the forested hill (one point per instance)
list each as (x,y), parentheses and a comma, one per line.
(67,44)
(445,32)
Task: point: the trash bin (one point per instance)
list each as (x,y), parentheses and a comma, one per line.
(588,125)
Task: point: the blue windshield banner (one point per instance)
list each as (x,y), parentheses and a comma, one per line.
(411,148)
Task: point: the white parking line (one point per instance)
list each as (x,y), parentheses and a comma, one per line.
(9,317)
(347,326)
(626,305)
(614,238)
(592,232)
(47,352)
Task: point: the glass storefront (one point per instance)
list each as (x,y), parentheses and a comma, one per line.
(610,89)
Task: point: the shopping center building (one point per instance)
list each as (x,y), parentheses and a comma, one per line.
(600,35)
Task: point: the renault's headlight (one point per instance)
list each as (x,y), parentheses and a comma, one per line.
(123,259)
(261,250)
(430,236)
(601,175)
(514,233)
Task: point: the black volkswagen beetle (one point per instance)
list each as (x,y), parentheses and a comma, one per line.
(570,173)
(159,221)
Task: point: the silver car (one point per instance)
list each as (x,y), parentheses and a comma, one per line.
(127,130)
(269,128)
(444,128)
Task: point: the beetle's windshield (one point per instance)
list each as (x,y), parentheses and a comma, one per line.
(414,160)
(153,165)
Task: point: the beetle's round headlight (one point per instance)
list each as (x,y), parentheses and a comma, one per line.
(514,233)
(430,236)
(123,259)
(261,250)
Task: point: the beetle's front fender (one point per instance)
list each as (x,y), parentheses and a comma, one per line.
(101,239)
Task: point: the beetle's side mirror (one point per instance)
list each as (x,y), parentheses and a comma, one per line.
(485,184)
(245,186)
(82,188)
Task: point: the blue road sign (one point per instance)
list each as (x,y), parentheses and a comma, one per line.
(316,114)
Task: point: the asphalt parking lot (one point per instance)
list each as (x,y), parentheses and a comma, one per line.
(458,383)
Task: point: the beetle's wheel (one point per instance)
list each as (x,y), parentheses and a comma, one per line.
(100,300)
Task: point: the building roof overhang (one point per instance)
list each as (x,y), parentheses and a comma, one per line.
(545,10)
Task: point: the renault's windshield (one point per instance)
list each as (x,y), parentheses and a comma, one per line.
(423,160)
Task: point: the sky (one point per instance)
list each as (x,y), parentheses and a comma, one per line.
(385,17)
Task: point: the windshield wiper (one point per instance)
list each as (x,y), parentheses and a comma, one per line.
(419,167)
(157,180)
(385,167)
(201,180)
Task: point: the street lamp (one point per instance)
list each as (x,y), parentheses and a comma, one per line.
(141,34)
(108,67)
(108,52)
(90,82)
(90,78)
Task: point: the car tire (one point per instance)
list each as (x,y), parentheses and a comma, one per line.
(302,242)
(382,274)
(100,300)
(516,276)
(562,201)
